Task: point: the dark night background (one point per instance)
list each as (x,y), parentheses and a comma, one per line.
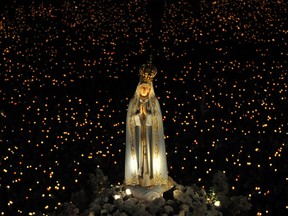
(69,68)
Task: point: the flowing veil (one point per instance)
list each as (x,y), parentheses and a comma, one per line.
(157,156)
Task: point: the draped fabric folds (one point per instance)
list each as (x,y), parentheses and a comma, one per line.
(145,159)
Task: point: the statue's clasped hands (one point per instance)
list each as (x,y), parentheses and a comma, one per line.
(143,109)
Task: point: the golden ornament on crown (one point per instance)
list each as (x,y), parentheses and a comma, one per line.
(147,72)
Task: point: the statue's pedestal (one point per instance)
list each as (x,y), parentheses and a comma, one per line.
(149,193)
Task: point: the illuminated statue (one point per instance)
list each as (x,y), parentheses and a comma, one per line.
(145,161)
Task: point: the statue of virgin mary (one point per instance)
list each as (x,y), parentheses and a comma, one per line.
(145,159)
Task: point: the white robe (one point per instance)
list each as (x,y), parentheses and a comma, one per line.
(145,159)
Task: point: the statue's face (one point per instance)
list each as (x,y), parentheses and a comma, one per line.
(144,90)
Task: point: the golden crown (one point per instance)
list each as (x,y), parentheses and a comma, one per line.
(147,71)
